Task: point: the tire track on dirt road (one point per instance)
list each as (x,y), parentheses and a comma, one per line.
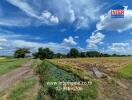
(7,80)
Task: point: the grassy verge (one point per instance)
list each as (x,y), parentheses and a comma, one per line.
(19,91)
(7,65)
(1,58)
(126,72)
(36,63)
(51,73)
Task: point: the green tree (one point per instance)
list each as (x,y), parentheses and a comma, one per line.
(74,53)
(21,53)
(44,53)
(83,54)
(93,54)
(59,55)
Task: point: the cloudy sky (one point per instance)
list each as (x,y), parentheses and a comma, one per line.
(64,24)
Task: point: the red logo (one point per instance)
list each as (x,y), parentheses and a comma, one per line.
(117,12)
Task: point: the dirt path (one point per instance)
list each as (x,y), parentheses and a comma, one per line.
(12,77)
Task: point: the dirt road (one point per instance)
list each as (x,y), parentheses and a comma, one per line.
(7,80)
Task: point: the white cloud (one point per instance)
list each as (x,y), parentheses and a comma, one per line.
(3,40)
(101,43)
(79,12)
(12,21)
(46,15)
(35,45)
(35,17)
(24,6)
(82,22)
(1,48)
(48,18)
(116,24)
(56,47)
(54,20)
(94,39)
(10,44)
(69,41)
(120,48)
(72,15)
(6,35)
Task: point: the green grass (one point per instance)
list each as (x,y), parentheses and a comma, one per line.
(7,65)
(126,72)
(18,92)
(35,63)
(51,73)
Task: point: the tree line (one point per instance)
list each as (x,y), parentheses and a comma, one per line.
(46,53)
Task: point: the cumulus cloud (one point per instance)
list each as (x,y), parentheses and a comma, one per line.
(120,48)
(69,41)
(35,45)
(10,43)
(95,38)
(3,40)
(47,17)
(56,47)
(116,24)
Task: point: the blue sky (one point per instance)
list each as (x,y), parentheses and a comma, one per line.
(64,24)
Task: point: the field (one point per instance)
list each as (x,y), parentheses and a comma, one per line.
(34,79)
(111,74)
(106,63)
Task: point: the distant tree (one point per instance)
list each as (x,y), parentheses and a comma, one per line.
(82,54)
(21,53)
(115,55)
(44,53)
(59,55)
(106,55)
(93,54)
(74,53)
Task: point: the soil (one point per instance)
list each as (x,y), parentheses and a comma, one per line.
(111,88)
(108,89)
(8,80)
